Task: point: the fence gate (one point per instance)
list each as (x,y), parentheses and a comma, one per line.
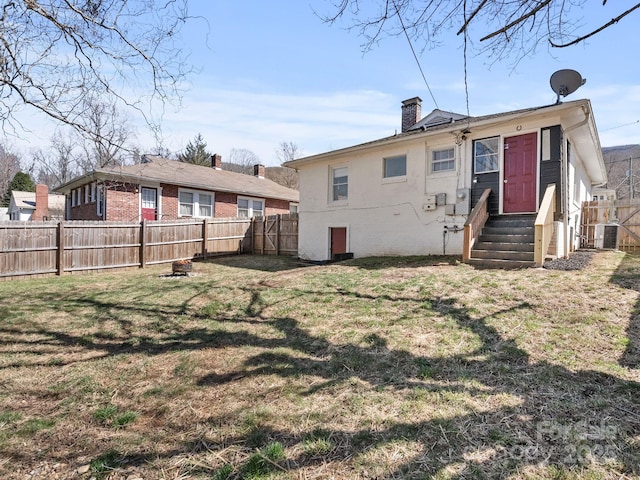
(598,218)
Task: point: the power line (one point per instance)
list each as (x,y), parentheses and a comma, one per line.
(620,126)
(404,29)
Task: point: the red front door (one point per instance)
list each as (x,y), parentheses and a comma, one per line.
(338,241)
(149,203)
(520,174)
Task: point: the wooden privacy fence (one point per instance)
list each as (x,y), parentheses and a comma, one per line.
(624,213)
(275,235)
(40,248)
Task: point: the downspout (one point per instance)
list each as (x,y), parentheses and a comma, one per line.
(565,179)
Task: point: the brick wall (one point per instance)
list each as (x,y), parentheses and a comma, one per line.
(122,202)
(276,207)
(85,208)
(169,202)
(226,204)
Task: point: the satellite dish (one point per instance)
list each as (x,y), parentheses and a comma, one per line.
(564,82)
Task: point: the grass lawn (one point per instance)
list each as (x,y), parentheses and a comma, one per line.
(381,368)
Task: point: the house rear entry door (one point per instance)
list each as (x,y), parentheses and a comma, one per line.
(149,205)
(338,241)
(520,174)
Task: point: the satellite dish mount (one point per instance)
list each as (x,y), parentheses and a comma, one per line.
(565,82)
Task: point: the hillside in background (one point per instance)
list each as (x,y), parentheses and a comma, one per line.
(623,163)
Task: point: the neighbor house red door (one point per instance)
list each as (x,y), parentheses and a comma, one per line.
(338,241)
(149,203)
(520,174)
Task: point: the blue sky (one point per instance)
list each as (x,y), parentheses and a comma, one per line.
(273,71)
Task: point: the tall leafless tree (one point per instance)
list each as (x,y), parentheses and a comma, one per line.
(59,163)
(241,160)
(9,166)
(107,136)
(286,176)
(55,53)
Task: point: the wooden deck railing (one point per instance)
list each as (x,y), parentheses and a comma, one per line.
(474,224)
(544,225)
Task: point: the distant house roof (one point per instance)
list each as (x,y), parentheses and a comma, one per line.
(27,200)
(159,169)
(437,117)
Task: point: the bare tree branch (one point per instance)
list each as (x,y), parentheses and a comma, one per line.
(597,30)
(505,28)
(55,53)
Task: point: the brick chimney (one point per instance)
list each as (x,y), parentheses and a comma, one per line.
(42,203)
(216,161)
(258,171)
(411,112)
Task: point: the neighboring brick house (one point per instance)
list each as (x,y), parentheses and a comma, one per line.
(161,189)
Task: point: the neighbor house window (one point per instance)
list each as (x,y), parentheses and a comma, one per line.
(186,204)
(73,198)
(100,201)
(443,160)
(293,208)
(395,166)
(195,204)
(250,207)
(93,192)
(340,183)
(86,193)
(486,154)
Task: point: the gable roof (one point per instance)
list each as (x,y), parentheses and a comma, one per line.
(27,200)
(437,117)
(162,170)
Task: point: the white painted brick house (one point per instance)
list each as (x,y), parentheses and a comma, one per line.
(412,193)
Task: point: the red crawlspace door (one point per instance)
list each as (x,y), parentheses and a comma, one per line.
(520,174)
(149,203)
(338,241)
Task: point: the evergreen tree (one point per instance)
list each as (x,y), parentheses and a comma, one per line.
(196,152)
(21,182)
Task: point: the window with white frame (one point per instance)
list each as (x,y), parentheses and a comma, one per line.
(73,198)
(86,194)
(93,192)
(250,207)
(395,166)
(443,160)
(100,200)
(486,153)
(195,204)
(79,196)
(293,208)
(340,184)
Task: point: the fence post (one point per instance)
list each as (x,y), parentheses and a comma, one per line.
(143,243)
(278,217)
(264,235)
(60,251)
(205,234)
